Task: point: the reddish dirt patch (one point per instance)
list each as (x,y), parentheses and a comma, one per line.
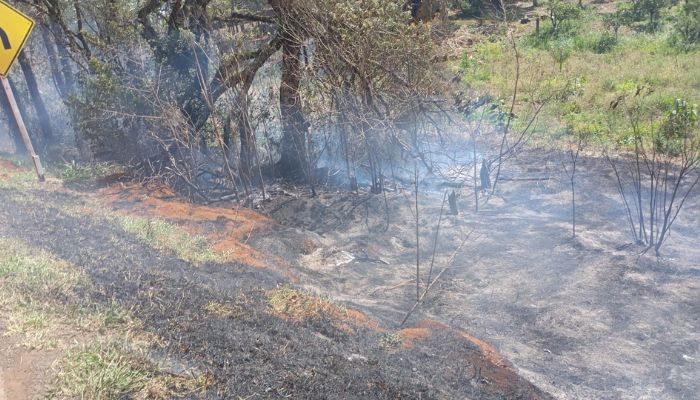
(293,305)
(7,168)
(410,335)
(226,229)
(489,352)
(487,364)
(24,374)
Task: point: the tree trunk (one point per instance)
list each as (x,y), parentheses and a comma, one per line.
(13,129)
(246,135)
(66,67)
(573,205)
(37,101)
(294,160)
(53,61)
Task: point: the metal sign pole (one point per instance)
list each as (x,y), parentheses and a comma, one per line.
(23,130)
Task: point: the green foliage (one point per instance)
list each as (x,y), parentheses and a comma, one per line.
(605,43)
(561,14)
(685,34)
(652,10)
(105,113)
(102,371)
(586,70)
(679,128)
(624,15)
(475,64)
(461,6)
(560,50)
(81,172)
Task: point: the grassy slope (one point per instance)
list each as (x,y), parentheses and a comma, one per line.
(134,312)
(590,80)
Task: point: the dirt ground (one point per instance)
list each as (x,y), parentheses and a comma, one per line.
(584,318)
(22,371)
(522,312)
(250,351)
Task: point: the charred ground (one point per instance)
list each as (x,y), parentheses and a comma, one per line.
(249,350)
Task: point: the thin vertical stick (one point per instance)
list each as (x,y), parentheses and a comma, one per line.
(23,130)
(437,235)
(415,182)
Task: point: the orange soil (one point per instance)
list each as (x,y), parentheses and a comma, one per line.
(227,230)
(300,306)
(491,354)
(7,168)
(409,335)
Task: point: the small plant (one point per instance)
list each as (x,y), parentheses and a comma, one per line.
(605,43)
(219,310)
(295,305)
(390,340)
(561,13)
(663,172)
(82,172)
(686,27)
(561,50)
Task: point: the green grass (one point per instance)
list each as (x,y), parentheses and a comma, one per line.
(30,280)
(596,69)
(165,236)
(107,362)
(390,341)
(100,372)
(112,370)
(83,172)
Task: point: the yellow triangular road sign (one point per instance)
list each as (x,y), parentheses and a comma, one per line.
(14,31)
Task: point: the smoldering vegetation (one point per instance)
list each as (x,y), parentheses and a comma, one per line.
(398,189)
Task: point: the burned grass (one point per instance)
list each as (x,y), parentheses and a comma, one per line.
(295,305)
(49,313)
(216,318)
(226,230)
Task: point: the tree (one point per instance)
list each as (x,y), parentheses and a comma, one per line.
(652,9)
(575,148)
(662,172)
(623,16)
(47,137)
(170,92)
(561,50)
(560,13)
(686,26)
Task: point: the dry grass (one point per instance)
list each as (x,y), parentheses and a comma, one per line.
(110,370)
(165,236)
(588,82)
(102,345)
(294,305)
(221,310)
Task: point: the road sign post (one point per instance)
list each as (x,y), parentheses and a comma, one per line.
(15,28)
(23,129)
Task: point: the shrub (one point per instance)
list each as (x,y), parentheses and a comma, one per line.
(605,43)
(651,9)
(685,34)
(561,50)
(561,13)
